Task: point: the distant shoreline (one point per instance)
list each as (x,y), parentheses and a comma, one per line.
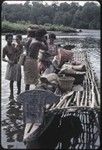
(17,28)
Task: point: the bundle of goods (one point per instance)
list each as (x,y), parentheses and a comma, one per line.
(78,66)
(64,56)
(76,71)
(52,78)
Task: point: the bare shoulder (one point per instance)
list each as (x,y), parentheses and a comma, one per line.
(35,44)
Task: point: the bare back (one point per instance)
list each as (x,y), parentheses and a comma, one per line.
(34,48)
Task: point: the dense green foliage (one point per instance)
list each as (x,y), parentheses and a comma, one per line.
(14,27)
(21,27)
(73,15)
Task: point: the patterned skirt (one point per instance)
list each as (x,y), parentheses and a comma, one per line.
(13,72)
(30,70)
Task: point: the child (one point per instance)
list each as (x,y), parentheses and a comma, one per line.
(12,73)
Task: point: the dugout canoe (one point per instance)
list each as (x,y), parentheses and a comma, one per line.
(83,103)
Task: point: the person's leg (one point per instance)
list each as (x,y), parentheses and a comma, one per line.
(19,86)
(11,89)
(27,87)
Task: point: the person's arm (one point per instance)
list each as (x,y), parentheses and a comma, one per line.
(21,49)
(43,46)
(45,41)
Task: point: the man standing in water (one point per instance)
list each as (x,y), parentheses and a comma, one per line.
(31,62)
(12,72)
(19,51)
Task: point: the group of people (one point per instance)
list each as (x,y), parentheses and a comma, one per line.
(37,39)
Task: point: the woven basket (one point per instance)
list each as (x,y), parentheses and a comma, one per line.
(66,83)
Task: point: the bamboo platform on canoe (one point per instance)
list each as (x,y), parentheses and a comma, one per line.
(90,96)
(84,104)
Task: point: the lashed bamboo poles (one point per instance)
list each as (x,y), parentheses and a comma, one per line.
(82,103)
(93,97)
(91,74)
(91,93)
(94,94)
(84,100)
(96,89)
(62,100)
(81,57)
(89,87)
(88,80)
(88,95)
(68,101)
(78,98)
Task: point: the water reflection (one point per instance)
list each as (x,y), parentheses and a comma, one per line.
(13,124)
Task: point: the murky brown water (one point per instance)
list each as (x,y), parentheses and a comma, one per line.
(11,112)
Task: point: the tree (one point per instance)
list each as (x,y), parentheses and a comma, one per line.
(58,19)
(67,19)
(64,7)
(74,15)
(76,19)
(73,7)
(44,19)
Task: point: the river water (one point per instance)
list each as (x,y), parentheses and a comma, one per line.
(12,126)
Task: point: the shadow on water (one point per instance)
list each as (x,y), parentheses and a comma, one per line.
(13,124)
(49,139)
(57,134)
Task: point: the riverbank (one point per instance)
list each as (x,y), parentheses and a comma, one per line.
(21,27)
